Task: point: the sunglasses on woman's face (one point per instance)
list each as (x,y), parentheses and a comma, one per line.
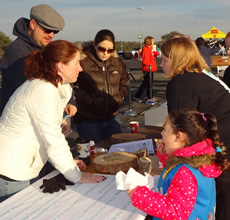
(102,50)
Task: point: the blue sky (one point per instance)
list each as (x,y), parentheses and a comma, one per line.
(84,18)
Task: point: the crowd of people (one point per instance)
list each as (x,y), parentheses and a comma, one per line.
(44,80)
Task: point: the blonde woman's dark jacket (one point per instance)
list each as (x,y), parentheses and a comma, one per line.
(101,87)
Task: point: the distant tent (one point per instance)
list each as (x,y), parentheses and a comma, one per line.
(214,33)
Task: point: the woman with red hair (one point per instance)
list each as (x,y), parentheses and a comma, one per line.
(31,123)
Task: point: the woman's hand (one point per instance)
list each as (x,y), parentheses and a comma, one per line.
(160,146)
(91,178)
(80,164)
(65,128)
(71,110)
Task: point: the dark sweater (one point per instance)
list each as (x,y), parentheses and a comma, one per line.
(203,93)
(226,77)
(207,52)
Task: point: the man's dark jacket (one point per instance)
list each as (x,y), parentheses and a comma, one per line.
(12,63)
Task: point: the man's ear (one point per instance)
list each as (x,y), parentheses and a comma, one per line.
(32,24)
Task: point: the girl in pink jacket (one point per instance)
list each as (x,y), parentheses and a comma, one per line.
(193,156)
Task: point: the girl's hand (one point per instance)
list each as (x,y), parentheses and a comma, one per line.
(129,191)
(80,164)
(160,146)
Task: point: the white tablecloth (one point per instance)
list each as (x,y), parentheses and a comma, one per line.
(81,201)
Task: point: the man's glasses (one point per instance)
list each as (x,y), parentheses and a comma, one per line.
(48,31)
(102,50)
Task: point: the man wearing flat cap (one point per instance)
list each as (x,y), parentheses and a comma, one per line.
(33,34)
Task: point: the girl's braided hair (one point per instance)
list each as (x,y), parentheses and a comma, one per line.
(198,127)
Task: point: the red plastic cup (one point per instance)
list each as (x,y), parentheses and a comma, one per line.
(92,145)
(134,126)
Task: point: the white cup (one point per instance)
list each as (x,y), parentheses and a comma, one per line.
(83,148)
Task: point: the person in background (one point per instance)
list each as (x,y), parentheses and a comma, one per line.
(100,89)
(226,77)
(206,52)
(227,43)
(193,86)
(194,156)
(147,59)
(33,34)
(30,126)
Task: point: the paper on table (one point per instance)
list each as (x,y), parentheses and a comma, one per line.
(133,146)
(77,202)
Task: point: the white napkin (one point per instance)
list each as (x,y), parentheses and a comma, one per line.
(133,179)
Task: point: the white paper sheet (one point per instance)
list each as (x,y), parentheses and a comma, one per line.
(79,202)
(133,146)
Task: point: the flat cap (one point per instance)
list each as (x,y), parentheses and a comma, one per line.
(47,17)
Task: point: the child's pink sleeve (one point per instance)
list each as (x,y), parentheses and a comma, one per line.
(177,203)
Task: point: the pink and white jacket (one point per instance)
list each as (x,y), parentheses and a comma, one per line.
(182,192)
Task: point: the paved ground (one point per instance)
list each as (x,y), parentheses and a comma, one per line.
(159,88)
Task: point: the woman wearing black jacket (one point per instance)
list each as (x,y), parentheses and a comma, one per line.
(193,86)
(100,89)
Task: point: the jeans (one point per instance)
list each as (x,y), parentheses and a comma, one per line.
(98,131)
(9,188)
(145,84)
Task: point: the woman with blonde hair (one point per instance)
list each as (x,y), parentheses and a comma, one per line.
(193,86)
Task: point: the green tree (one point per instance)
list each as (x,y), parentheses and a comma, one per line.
(4,42)
(168,36)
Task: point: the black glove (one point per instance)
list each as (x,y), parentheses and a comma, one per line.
(55,184)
